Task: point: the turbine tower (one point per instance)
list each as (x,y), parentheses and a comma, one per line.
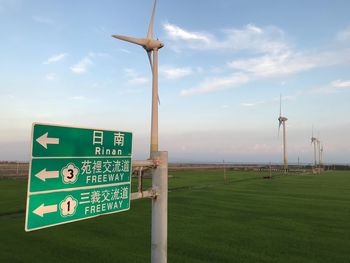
(319,151)
(282,121)
(151,45)
(314,141)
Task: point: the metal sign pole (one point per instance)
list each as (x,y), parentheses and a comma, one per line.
(160,209)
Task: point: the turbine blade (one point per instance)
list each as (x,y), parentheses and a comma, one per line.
(149,53)
(279,127)
(150,27)
(134,40)
(280,105)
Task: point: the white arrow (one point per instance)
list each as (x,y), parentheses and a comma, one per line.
(42,210)
(43,140)
(43,174)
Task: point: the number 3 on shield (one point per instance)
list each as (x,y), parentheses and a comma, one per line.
(71,174)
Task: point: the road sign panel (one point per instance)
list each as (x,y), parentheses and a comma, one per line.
(61,141)
(63,173)
(77,173)
(55,208)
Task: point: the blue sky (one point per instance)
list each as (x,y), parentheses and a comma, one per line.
(222,70)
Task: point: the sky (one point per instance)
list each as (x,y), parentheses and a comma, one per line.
(222,70)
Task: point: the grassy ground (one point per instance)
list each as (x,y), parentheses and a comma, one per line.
(299,218)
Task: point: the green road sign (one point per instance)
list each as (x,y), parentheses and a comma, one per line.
(55,208)
(60,141)
(63,173)
(69,162)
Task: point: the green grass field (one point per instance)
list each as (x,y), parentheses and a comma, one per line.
(299,218)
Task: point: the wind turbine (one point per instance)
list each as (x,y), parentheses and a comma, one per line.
(159,226)
(321,153)
(314,141)
(151,46)
(282,121)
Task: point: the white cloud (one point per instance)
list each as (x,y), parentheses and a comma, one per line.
(82,66)
(341,84)
(55,58)
(175,73)
(216,84)
(333,86)
(290,62)
(134,78)
(274,65)
(269,39)
(266,54)
(176,33)
(251,104)
(252,38)
(85,63)
(138,81)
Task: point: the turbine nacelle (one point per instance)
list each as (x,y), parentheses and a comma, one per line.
(153,44)
(282,119)
(147,43)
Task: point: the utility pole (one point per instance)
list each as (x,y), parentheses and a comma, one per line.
(224,166)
